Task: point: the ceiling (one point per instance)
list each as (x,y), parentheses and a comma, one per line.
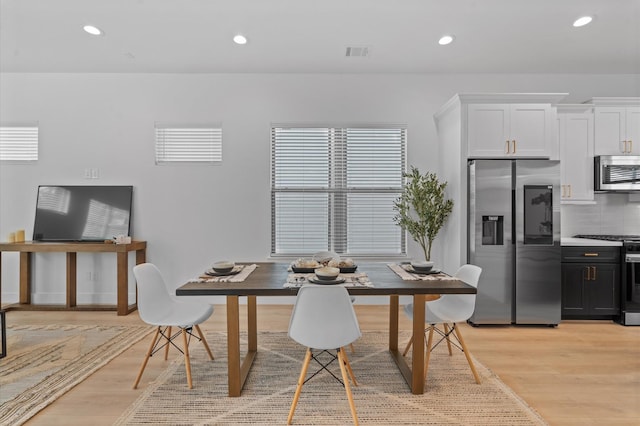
(311,36)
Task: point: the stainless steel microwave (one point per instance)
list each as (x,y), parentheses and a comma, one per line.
(617,173)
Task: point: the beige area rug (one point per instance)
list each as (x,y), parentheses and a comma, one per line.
(43,362)
(382,397)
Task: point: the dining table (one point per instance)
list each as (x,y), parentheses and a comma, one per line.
(270,278)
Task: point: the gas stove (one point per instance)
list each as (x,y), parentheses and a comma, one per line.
(623,238)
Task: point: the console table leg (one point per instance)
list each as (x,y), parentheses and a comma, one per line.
(25,278)
(123,283)
(71,279)
(141,256)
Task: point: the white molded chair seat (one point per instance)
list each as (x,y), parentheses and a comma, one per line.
(323,318)
(157,307)
(449,310)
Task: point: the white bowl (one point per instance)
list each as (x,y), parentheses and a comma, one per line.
(323,257)
(223,266)
(327,273)
(422,265)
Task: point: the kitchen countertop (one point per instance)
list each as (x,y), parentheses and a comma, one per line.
(570,241)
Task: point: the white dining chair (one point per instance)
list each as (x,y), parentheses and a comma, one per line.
(449,310)
(156,307)
(323,319)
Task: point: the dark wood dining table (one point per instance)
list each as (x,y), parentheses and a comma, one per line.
(268,279)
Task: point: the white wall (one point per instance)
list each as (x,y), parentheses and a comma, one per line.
(191,215)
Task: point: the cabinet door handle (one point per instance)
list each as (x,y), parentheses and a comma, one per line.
(591,254)
(569,196)
(514,146)
(562,186)
(506,151)
(628,147)
(588,268)
(593,268)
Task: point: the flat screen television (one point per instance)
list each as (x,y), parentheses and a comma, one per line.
(82,213)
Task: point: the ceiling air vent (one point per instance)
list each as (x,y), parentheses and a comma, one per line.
(357,51)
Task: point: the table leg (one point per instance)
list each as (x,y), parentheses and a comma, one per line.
(393,322)
(25,278)
(141,257)
(233,345)
(72,280)
(417,367)
(252,324)
(123,283)
(414,373)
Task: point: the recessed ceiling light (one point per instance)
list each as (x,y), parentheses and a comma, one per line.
(92,30)
(240,39)
(581,22)
(444,40)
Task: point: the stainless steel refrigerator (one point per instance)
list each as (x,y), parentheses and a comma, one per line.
(514,236)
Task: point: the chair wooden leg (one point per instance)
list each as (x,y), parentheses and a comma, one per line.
(446,332)
(406,349)
(456,330)
(146,358)
(347,387)
(204,341)
(187,363)
(303,375)
(353,348)
(428,354)
(166,348)
(348,365)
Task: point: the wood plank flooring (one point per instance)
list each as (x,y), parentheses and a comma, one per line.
(579,373)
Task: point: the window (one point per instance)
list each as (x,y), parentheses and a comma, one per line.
(193,144)
(334,189)
(19,143)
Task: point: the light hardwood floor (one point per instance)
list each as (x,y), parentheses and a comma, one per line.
(580,373)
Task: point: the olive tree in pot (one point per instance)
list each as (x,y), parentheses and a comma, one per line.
(422,208)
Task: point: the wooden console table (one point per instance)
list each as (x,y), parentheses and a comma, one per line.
(72,249)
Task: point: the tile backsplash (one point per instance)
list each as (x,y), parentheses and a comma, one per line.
(612,214)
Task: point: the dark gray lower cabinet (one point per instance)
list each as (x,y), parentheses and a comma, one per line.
(590,282)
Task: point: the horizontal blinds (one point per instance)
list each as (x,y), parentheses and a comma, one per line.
(188,145)
(375,158)
(302,158)
(19,143)
(334,189)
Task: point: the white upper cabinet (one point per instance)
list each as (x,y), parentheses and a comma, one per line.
(576,135)
(510,130)
(617,127)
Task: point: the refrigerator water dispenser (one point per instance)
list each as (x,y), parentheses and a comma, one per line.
(492,230)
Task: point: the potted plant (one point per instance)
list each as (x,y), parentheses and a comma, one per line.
(422,208)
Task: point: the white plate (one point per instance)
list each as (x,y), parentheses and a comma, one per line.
(236,270)
(317,280)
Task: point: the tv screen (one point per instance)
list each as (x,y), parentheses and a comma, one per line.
(82,213)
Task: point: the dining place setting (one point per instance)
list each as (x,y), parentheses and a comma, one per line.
(225,271)
(419,270)
(326,268)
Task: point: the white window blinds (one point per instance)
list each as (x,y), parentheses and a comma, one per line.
(188,144)
(19,143)
(334,189)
